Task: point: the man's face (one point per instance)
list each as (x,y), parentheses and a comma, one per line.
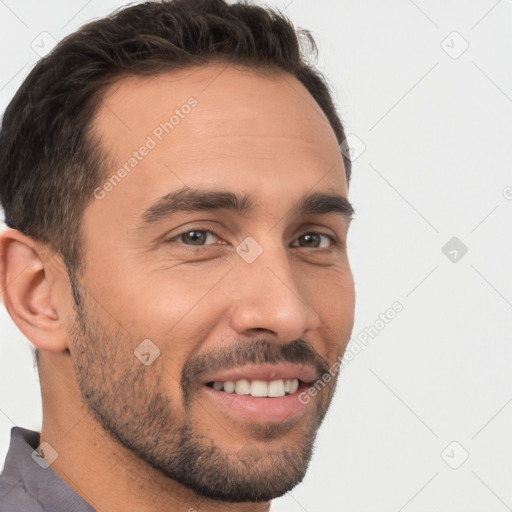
(217,306)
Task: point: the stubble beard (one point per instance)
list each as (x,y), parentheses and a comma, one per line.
(127,399)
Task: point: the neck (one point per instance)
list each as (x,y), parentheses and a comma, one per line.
(99,468)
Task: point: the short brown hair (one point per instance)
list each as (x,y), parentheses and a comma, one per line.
(50,163)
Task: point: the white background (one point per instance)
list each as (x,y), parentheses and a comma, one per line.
(436,133)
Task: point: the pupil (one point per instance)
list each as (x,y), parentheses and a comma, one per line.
(309,237)
(196,236)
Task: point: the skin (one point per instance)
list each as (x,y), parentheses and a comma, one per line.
(250,133)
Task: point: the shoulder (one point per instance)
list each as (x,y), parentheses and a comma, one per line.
(14,497)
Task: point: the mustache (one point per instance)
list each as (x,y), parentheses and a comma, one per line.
(242,353)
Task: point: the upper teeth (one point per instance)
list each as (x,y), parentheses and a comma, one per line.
(259,388)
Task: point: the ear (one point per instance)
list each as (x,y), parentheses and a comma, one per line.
(27,282)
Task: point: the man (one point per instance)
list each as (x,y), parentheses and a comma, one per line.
(176,252)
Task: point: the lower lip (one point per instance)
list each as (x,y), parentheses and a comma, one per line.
(261,410)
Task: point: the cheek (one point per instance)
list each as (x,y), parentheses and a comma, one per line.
(160,299)
(177,309)
(332,296)
(331,291)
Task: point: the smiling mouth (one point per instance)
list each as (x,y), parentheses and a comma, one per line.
(268,393)
(257,388)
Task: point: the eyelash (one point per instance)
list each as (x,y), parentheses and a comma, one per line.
(333,240)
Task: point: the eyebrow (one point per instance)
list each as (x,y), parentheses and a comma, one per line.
(188,199)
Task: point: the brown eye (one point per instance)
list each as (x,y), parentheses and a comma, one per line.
(315,240)
(194,237)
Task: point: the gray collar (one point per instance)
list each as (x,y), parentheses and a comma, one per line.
(28,486)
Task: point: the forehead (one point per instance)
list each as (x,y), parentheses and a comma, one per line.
(216,125)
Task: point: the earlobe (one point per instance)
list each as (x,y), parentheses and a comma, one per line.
(27,291)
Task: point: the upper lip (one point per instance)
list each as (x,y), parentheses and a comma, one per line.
(267,372)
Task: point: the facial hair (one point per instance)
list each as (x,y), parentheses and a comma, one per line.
(130,403)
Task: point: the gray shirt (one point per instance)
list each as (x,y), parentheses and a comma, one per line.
(29,486)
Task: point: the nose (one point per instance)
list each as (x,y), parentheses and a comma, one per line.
(267,295)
